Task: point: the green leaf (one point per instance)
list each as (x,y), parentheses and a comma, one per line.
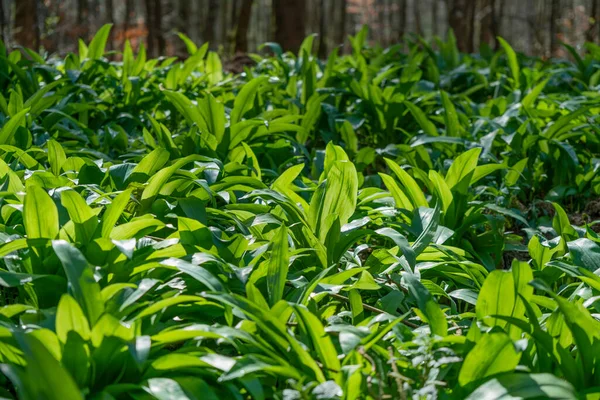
(279,261)
(213,113)
(8,130)
(80,275)
(44,376)
(513,63)
(412,189)
(40,215)
(56,156)
(494,353)
(335,198)
(562,225)
(450,116)
(245,99)
(424,122)
(70,317)
(524,386)
(214,68)
(81,214)
(496,297)
(98,43)
(320,341)
(430,309)
(462,169)
(515,172)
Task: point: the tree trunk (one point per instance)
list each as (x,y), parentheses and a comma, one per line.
(340,30)
(2,22)
(402,18)
(417,14)
(554,27)
(82,19)
(210,22)
(489,26)
(110,18)
(435,19)
(461,19)
(160,38)
(289,23)
(128,16)
(26,29)
(150,26)
(323,29)
(592,32)
(241,33)
(184,11)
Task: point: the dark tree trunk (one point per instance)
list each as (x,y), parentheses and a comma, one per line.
(554,27)
(289,23)
(340,30)
(210,23)
(435,19)
(160,38)
(592,33)
(110,18)
(82,18)
(241,33)
(150,26)
(184,13)
(323,29)
(461,15)
(402,18)
(128,16)
(26,31)
(417,14)
(2,21)
(489,23)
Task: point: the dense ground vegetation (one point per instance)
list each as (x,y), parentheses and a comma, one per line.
(384,224)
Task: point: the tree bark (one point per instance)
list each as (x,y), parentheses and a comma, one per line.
(489,24)
(417,14)
(241,33)
(184,11)
(323,29)
(435,19)
(26,32)
(340,30)
(150,26)
(110,18)
(289,23)
(2,21)
(160,38)
(461,19)
(402,18)
(591,34)
(82,18)
(210,23)
(554,27)
(128,16)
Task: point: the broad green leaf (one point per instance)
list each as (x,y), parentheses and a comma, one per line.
(513,63)
(40,216)
(494,353)
(524,386)
(98,43)
(8,130)
(80,275)
(81,214)
(70,317)
(245,99)
(278,265)
(496,297)
(430,309)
